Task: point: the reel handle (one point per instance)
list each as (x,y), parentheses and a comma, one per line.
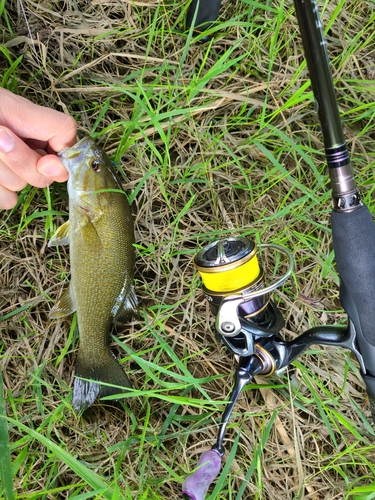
(196,485)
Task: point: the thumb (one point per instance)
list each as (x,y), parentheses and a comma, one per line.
(51,166)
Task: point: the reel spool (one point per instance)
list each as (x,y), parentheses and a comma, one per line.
(231,267)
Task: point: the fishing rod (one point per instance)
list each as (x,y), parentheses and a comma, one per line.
(247,320)
(353,228)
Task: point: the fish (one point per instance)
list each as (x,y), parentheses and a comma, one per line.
(100,234)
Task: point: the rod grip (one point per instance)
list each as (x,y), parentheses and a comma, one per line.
(353,236)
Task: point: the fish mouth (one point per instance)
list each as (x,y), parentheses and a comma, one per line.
(72,155)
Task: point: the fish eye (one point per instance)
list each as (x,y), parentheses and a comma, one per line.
(95,165)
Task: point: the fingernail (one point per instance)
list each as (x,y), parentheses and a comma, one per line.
(51,170)
(6,141)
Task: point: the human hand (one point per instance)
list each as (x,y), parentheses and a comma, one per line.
(29,135)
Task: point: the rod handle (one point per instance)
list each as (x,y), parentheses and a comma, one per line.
(353,235)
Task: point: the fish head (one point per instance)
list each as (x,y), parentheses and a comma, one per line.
(89,168)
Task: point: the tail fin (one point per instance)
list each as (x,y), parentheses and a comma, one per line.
(85,392)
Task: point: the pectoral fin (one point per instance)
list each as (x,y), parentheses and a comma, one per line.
(64,306)
(61,237)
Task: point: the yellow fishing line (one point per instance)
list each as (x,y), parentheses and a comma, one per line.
(228,278)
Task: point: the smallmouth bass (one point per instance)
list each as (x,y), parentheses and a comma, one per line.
(100,234)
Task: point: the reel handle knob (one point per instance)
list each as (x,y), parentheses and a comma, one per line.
(196,485)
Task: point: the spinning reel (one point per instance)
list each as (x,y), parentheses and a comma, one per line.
(249,323)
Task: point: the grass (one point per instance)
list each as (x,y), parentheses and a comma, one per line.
(211,140)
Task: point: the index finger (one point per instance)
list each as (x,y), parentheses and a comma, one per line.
(30,121)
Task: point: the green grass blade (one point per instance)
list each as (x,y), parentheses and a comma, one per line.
(6,473)
(89,476)
(257,455)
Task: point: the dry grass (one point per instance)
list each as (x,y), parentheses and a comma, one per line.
(209,140)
